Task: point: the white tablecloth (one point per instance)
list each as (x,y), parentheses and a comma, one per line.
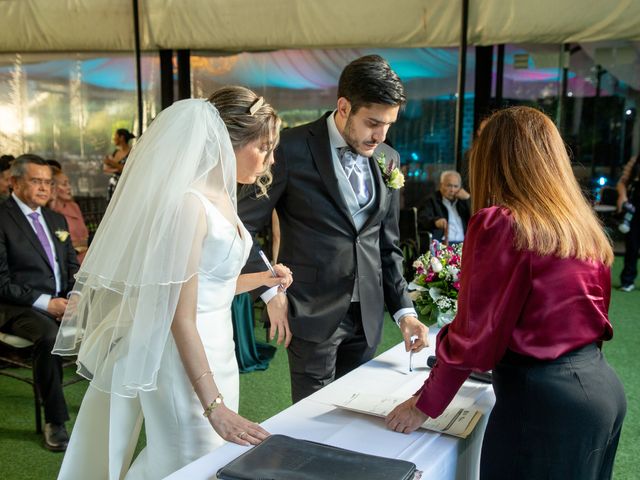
(314,418)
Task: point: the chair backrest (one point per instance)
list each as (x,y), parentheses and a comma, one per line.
(92,209)
(14,341)
(408,223)
(409,238)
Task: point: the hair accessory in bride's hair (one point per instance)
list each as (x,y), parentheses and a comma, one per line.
(256,106)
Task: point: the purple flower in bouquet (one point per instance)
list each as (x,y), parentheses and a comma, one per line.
(436,283)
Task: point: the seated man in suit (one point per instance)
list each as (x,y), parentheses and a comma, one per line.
(37,264)
(446,214)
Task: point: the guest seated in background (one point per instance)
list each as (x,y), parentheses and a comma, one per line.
(114,163)
(446,213)
(5,175)
(63,203)
(37,264)
(533,308)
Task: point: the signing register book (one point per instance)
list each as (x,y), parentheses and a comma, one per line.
(285,458)
(458,422)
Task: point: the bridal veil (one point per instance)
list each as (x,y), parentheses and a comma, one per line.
(126,292)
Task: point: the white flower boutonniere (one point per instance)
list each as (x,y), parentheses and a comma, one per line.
(392,175)
(62,235)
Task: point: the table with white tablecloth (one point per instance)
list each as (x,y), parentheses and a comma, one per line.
(316,418)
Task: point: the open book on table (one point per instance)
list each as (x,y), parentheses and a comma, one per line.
(458,422)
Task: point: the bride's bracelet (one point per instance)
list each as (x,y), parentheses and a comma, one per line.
(208,372)
(212,406)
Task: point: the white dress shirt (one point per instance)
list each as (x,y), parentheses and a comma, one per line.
(456,230)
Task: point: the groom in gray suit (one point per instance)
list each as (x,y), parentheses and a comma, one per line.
(337,199)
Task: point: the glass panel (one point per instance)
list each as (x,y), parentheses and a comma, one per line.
(67,107)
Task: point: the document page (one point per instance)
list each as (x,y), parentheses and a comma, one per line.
(458,422)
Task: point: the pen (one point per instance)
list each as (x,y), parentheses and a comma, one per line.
(269,266)
(267,263)
(413,339)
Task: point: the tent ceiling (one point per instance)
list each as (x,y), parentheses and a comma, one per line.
(253,25)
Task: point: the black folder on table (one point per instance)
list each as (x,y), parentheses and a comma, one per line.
(281,457)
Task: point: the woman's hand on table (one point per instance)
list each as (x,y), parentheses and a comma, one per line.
(235,428)
(406,417)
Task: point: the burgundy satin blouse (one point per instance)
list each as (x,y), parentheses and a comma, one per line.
(541,307)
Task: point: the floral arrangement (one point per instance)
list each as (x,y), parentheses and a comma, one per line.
(436,284)
(391,174)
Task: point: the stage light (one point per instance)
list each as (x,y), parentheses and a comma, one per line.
(602,181)
(414,156)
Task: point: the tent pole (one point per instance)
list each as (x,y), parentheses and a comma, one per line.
(166,78)
(184,74)
(136,31)
(500,76)
(462,72)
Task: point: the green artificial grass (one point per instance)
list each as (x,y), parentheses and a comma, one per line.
(265,393)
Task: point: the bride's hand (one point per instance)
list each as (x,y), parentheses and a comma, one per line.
(234,428)
(283,280)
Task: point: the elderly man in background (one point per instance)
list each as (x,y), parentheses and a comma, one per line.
(446,213)
(37,264)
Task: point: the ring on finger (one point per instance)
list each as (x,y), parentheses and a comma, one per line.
(241,435)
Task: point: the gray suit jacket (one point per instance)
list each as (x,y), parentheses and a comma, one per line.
(320,241)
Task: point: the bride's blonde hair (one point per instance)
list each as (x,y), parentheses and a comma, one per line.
(247,118)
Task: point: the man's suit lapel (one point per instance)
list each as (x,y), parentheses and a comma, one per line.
(22,223)
(380,189)
(320,148)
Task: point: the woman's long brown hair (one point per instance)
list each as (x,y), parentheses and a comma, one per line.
(520,161)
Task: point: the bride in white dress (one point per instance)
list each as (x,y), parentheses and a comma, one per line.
(150,320)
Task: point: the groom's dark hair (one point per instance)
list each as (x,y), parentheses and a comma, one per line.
(369,80)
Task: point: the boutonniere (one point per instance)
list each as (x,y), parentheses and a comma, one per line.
(391,174)
(62,235)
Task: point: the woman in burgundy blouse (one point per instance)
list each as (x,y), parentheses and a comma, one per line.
(533,302)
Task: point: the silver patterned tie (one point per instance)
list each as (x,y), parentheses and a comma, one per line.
(353,167)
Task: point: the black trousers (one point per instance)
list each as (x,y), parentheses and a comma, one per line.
(631,246)
(41,329)
(559,419)
(314,365)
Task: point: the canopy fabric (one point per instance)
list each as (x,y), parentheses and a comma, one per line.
(254,25)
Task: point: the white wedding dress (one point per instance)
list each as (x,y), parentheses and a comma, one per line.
(106,431)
